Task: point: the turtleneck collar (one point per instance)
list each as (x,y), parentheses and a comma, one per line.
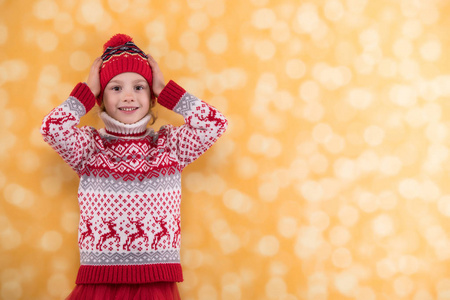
(114,127)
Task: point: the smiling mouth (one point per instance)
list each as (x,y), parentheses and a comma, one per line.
(128,108)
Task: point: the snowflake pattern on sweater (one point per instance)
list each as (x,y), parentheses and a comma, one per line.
(130,184)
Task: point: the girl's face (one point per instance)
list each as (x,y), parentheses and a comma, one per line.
(127,97)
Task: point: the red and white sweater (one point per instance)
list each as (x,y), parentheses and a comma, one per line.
(130,184)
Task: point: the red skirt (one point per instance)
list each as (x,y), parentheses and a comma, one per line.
(148,291)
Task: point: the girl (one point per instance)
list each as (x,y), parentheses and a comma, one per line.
(130,176)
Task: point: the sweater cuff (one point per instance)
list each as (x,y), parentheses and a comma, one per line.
(84,94)
(170,95)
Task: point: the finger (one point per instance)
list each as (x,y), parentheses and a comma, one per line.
(95,66)
(98,61)
(151,61)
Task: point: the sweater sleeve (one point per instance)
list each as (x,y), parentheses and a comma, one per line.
(203,126)
(59,128)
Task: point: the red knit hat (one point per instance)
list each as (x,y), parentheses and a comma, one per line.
(122,55)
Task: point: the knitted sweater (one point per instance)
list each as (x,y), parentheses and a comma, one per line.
(130,184)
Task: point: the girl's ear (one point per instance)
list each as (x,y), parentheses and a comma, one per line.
(102,106)
(152,100)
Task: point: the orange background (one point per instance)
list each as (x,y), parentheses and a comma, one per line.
(330,183)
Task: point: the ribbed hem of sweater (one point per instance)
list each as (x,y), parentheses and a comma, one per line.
(114,127)
(84,94)
(130,274)
(170,95)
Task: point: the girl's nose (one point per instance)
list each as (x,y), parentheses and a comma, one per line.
(128,96)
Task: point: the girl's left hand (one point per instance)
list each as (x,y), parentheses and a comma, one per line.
(158,78)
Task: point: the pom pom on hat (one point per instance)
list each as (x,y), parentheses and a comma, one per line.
(122,55)
(117,40)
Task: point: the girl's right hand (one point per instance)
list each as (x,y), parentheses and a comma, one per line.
(93,81)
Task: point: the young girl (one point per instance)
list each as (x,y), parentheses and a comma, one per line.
(130,176)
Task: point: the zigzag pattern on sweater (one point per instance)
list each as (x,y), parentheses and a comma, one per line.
(129,258)
(126,157)
(74,105)
(131,183)
(186,104)
(130,175)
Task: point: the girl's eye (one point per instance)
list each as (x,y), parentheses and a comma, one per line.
(139,87)
(116,88)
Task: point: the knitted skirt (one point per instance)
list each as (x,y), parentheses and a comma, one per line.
(148,291)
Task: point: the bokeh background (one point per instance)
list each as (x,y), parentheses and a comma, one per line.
(330,183)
